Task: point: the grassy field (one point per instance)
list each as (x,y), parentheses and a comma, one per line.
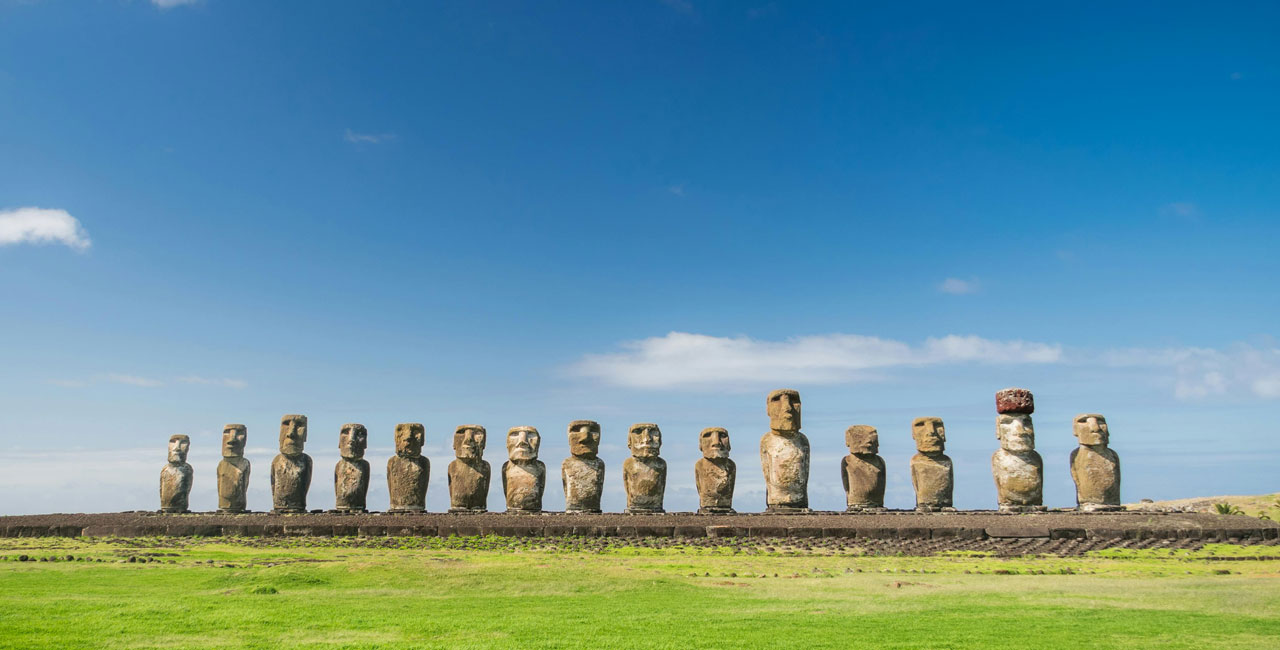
(496,592)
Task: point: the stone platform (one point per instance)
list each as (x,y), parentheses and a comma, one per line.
(906,525)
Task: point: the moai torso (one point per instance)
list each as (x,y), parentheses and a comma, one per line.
(1019,477)
(1096,472)
(715,478)
(290,480)
(863,476)
(407,482)
(645,481)
(351,484)
(583,480)
(932,476)
(468,485)
(523,483)
(175,487)
(233,484)
(785,459)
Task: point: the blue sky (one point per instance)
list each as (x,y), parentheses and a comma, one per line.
(530,213)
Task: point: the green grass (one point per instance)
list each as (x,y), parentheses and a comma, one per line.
(496,592)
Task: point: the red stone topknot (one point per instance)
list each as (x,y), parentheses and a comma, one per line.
(1015,400)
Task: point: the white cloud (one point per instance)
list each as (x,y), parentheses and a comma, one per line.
(677,190)
(367,138)
(134,380)
(31,225)
(957,287)
(206,381)
(681,359)
(1198,373)
(170,4)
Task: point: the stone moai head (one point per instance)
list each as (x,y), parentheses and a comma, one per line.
(1013,424)
(234,437)
(178,447)
(1015,432)
(293,434)
(784,410)
(410,436)
(644,440)
(468,441)
(862,439)
(353,439)
(584,438)
(1091,429)
(714,442)
(929,434)
(523,443)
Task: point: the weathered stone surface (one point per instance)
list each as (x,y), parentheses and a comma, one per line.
(408,471)
(1017,468)
(582,473)
(862,471)
(351,474)
(291,468)
(644,474)
(715,473)
(469,472)
(784,455)
(175,478)
(524,477)
(1095,467)
(233,470)
(1015,400)
(931,472)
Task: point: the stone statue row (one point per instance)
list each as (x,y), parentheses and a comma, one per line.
(784,457)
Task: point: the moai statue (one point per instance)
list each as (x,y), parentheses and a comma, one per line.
(291,469)
(469,472)
(408,471)
(233,470)
(931,471)
(351,474)
(523,476)
(714,474)
(644,474)
(862,471)
(175,478)
(1095,467)
(1017,468)
(784,455)
(582,473)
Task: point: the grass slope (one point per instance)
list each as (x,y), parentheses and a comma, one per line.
(1251,505)
(495,592)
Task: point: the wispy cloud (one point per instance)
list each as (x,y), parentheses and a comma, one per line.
(133,380)
(681,359)
(170,4)
(149,382)
(682,6)
(32,225)
(677,190)
(69,383)
(367,138)
(1182,209)
(958,287)
(206,381)
(1199,373)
